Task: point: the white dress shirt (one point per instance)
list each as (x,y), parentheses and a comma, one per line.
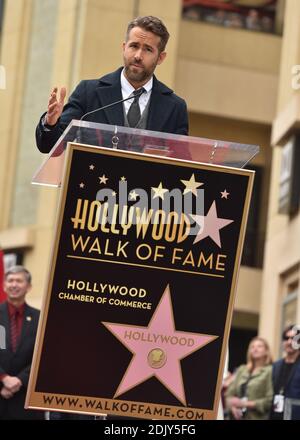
(127,90)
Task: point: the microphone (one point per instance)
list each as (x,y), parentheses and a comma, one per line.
(78,137)
(138,94)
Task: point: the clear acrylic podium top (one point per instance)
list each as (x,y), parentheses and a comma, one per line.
(188,148)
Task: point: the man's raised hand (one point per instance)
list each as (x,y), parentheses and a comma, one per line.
(55,105)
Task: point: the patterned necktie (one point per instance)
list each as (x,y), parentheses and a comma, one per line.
(14,331)
(134,112)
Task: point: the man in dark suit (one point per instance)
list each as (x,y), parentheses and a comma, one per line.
(19,322)
(159,109)
(286,376)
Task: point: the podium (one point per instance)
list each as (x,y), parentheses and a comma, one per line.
(139,299)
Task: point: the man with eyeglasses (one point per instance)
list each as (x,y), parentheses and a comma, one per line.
(286,375)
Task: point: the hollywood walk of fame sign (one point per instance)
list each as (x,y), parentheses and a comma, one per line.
(140,295)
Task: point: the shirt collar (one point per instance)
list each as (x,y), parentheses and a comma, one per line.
(12,309)
(127,88)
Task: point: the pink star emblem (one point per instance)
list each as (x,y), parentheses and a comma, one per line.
(210,225)
(157,349)
(224,194)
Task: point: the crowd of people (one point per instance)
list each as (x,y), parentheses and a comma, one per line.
(262,390)
(252,20)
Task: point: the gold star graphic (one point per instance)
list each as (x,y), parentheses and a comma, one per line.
(133,195)
(103,179)
(191,185)
(224,194)
(159,191)
(123,178)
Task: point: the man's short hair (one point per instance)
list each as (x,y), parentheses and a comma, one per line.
(151,24)
(19,269)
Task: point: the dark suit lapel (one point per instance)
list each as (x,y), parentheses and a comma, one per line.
(109,91)
(5,322)
(276,374)
(293,370)
(158,112)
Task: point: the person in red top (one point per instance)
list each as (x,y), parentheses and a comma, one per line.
(19,322)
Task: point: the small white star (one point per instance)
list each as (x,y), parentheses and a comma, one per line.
(81,185)
(123,178)
(103,179)
(225,194)
(91,167)
(159,191)
(114,193)
(191,185)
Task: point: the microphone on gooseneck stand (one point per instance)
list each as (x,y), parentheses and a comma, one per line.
(137,94)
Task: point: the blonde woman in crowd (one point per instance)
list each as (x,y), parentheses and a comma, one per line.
(249,396)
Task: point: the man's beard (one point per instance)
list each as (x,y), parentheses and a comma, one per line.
(140,75)
(136,75)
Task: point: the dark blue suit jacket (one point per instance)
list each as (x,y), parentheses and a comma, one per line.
(292,389)
(167,111)
(18,363)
